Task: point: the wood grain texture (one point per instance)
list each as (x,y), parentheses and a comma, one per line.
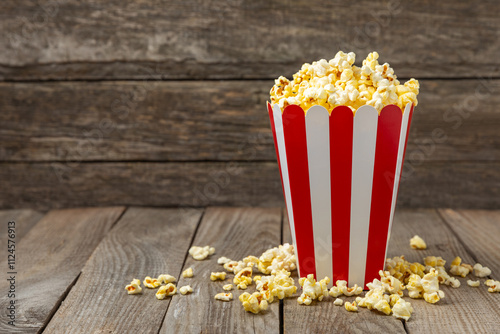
(145,242)
(324,317)
(463,310)
(241,39)
(25,219)
(464,184)
(49,259)
(216,121)
(479,231)
(235,233)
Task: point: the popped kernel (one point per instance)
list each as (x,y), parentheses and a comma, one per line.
(473,283)
(166,279)
(494,286)
(218,276)
(358,299)
(459,269)
(242,286)
(430,285)
(338,302)
(453,282)
(224,296)
(151,283)
(372,297)
(390,284)
(434,261)
(188,273)
(227,287)
(417,243)
(166,291)
(341,288)
(312,290)
(134,287)
(277,258)
(383,306)
(254,302)
(480,271)
(185,289)
(243,276)
(351,307)
(402,309)
(201,253)
(223,260)
(278,285)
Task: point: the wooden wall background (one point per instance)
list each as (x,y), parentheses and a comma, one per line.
(162,103)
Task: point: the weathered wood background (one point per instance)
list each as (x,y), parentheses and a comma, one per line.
(162,103)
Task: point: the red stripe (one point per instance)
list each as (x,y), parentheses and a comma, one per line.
(294,126)
(341,125)
(386,155)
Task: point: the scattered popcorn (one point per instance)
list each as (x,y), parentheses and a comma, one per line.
(351,307)
(254,302)
(228,287)
(243,277)
(372,297)
(383,306)
(277,258)
(341,288)
(417,243)
(358,299)
(218,276)
(430,285)
(279,285)
(481,271)
(434,261)
(134,287)
(151,283)
(224,296)
(166,279)
(185,289)
(339,82)
(459,269)
(473,283)
(188,273)
(393,299)
(402,269)
(242,286)
(166,291)
(494,286)
(402,309)
(338,302)
(223,260)
(312,290)
(201,253)
(390,284)
(453,282)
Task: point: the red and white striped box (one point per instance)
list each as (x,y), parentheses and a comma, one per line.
(340,175)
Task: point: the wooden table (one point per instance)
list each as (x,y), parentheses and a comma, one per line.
(72,266)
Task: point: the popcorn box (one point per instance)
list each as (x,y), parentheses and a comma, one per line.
(340,175)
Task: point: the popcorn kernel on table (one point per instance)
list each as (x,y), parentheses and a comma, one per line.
(224,296)
(166,291)
(223,260)
(417,243)
(480,271)
(254,302)
(201,253)
(472,283)
(243,276)
(185,289)
(134,287)
(351,307)
(166,279)
(312,290)
(227,287)
(151,283)
(494,286)
(214,276)
(402,309)
(338,302)
(188,273)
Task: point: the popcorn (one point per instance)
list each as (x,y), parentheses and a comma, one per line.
(342,289)
(243,277)
(134,287)
(185,289)
(277,258)
(166,279)
(166,291)
(453,282)
(188,273)
(151,283)
(402,269)
(372,297)
(338,302)
(430,285)
(434,261)
(473,283)
(223,260)
(254,302)
(339,82)
(494,286)
(279,285)
(242,286)
(402,309)
(227,287)
(390,284)
(481,271)
(358,299)
(312,290)
(224,296)
(351,307)
(383,306)
(201,253)
(218,276)
(234,266)
(459,269)
(417,243)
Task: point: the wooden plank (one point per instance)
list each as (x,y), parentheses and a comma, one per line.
(454,184)
(209,39)
(49,259)
(479,231)
(235,233)
(193,121)
(25,219)
(324,317)
(463,310)
(145,242)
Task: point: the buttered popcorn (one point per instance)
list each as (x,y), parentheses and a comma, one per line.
(338,82)
(279,285)
(185,289)
(151,283)
(341,288)
(166,279)
(166,291)
(494,286)
(188,273)
(254,302)
(224,296)
(134,287)
(481,271)
(312,290)
(417,243)
(201,253)
(218,276)
(460,269)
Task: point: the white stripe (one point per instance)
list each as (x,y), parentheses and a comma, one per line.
(280,139)
(363,159)
(399,163)
(318,158)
